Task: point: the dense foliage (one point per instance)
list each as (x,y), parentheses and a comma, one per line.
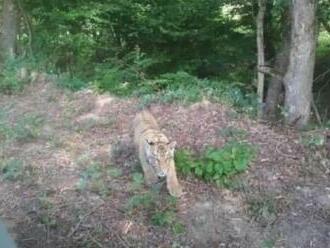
(144,47)
(133,40)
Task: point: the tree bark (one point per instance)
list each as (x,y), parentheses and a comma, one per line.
(261,52)
(276,88)
(298,79)
(9,29)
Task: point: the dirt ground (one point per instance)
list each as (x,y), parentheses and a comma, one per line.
(76,173)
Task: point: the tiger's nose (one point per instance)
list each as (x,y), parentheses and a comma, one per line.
(161,175)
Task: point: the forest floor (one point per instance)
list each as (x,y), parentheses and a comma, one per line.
(70,177)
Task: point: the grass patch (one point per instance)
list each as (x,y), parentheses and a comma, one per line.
(216,165)
(24,129)
(158,209)
(97,177)
(12,169)
(46,213)
(140,202)
(137,181)
(233,133)
(167,219)
(313,139)
(265,208)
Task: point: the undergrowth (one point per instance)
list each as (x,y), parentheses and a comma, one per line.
(71,82)
(158,209)
(14,76)
(24,129)
(216,165)
(165,88)
(185,88)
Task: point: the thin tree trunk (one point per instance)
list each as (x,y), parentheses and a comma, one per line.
(28,26)
(9,29)
(298,79)
(261,52)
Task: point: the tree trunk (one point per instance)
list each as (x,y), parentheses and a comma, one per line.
(298,79)
(9,29)
(261,52)
(276,88)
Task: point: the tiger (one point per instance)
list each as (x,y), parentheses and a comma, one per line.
(155,152)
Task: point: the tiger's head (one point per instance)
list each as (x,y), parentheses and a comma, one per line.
(159,154)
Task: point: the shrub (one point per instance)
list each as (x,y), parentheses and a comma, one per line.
(216,165)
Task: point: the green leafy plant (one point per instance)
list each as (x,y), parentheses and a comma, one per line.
(216,165)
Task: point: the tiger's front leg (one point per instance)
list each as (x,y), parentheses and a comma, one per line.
(172,182)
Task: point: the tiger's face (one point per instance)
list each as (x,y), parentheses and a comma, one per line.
(159,155)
